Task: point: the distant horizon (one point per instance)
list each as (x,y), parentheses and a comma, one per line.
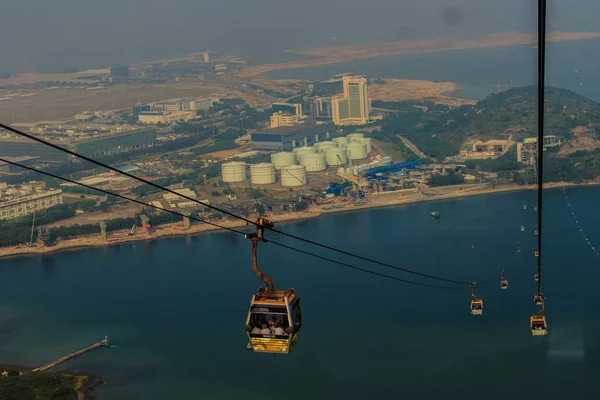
(47,37)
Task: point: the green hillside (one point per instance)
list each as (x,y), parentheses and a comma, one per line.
(441,134)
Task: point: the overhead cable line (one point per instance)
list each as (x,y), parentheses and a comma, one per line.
(370,259)
(248,221)
(127,174)
(230,229)
(541,81)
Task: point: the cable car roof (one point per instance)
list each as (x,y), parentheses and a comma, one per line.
(276,297)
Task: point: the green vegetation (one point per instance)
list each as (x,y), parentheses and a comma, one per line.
(444,180)
(40,385)
(18,230)
(577,167)
(506,162)
(440,133)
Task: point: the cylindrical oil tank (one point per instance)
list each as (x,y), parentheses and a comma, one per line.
(355,137)
(324,146)
(367,141)
(234,171)
(356,151)
(300,151)
(341,141)
(262,174)
(293,175)
(282,159)
(336,156)
(313,162)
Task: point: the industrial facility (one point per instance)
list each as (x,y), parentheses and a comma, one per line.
(285,138)
(100,144)
(295,166)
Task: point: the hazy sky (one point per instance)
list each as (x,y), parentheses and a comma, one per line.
(38,35)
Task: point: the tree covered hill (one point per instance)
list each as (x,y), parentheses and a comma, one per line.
(441,134)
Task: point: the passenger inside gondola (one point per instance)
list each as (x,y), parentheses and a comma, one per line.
(269,324)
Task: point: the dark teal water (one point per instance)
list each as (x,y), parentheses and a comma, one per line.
(175,309)
(477,70)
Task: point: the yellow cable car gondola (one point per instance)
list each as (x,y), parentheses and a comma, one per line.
(476,303)
(537,323)
(503,282)
(274,317)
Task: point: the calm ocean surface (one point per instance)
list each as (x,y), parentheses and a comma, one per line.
(477,70)
(175,309)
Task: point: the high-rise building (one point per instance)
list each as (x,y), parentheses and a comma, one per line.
(207,57)
(353,107)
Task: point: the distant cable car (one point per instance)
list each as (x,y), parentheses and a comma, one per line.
(476,303)
(537,323)
(503,282)
(525,206)
(536,277)
(522,228)
(536,253)
(538,299)
(274,317)
(536,231)
(535,208)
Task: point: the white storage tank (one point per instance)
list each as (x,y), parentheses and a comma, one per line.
(313,162)
(356,151)
(282,159)
(367,141)
(341,141)
(262,174)
(324,146)
(293,175)
(336,156)
(355,137)
(300,151)
(234,171)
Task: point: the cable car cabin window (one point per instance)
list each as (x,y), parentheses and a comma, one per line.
(296,315)
(269,321)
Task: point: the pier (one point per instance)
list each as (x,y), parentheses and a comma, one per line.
(104,342)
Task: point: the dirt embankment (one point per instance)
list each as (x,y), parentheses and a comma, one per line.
(584,139)
(406,89)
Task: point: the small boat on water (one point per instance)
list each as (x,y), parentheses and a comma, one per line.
(435,215)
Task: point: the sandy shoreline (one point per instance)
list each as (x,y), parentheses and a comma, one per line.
(402,197)
(337,54)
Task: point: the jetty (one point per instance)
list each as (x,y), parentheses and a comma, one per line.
(103,343)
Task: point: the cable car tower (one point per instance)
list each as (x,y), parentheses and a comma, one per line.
(274,317)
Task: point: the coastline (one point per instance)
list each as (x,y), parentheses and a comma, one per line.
(84,385)
(318,56)
(388,199)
